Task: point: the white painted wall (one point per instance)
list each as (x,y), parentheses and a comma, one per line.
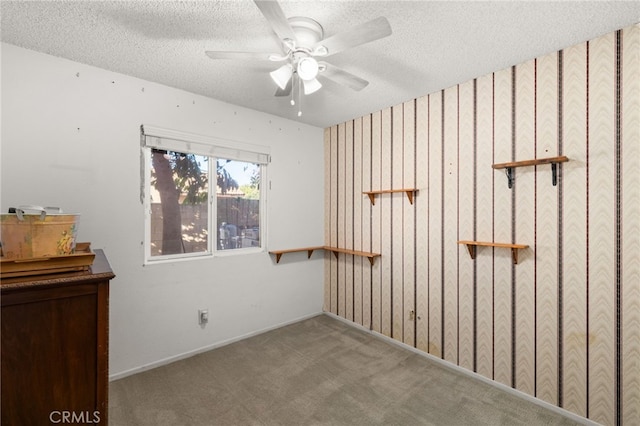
(71,137)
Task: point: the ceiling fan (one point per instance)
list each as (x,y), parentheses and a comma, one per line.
(302,42)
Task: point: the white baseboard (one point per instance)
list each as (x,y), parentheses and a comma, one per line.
(508,389)
(188,354)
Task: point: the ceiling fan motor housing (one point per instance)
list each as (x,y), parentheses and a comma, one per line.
(308,31)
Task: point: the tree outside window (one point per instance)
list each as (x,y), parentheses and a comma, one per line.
(180,198)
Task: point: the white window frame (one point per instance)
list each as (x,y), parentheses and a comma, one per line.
(214,148)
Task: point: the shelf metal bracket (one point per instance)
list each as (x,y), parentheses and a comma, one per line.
(554,173)
(509,172)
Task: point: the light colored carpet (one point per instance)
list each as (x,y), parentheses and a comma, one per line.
(316,372)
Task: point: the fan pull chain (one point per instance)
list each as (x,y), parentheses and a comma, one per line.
(299,98)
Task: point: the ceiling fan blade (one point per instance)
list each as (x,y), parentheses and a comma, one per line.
(275,16)
(287,90)
(343,77)
(239,55)
(360,34)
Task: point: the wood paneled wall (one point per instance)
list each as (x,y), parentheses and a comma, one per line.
(564,323)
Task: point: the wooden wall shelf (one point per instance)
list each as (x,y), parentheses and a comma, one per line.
(409,191)
(334,250)
(309,251)
(471,246)
(551,160)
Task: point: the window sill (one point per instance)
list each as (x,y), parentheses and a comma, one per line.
(217,254)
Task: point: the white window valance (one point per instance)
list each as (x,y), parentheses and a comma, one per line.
(173,140)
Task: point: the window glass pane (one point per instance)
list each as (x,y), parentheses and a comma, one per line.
(238,204)
(179,203)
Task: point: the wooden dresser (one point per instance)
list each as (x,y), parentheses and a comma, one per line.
(55,354)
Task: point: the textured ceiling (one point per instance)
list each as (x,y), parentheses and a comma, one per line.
(434,45)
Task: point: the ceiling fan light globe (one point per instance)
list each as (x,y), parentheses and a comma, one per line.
(282,75)
(311,86)
(308,68)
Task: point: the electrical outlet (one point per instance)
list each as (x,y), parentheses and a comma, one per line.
(203,316)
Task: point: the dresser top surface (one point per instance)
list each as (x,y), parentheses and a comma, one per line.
(100,270)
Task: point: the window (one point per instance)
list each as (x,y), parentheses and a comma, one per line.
(202,196)
(238,204)
(179,197)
